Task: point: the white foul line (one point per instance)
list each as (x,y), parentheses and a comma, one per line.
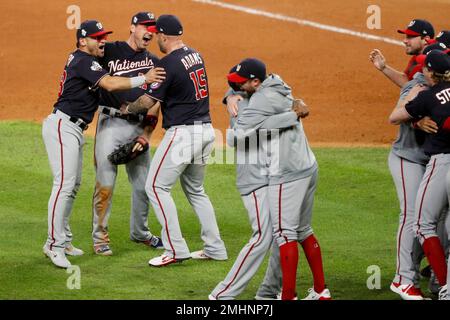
(308,23)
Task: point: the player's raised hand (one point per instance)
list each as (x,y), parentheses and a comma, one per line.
(300,108)
(232,104)
(378,60)
(155,75)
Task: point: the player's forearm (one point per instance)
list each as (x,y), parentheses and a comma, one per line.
(110,83)
(399,115)
(397,77)
(151,120)
(280,121)
(141,105)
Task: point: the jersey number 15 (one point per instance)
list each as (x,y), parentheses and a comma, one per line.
(200,84)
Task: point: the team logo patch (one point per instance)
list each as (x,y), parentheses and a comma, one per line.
(412,23)
(83,32)
(155,85)
(238,67)
(151,16)
(96,66)
(134,19)
(99,26)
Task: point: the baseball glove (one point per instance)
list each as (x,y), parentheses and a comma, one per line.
(127,152)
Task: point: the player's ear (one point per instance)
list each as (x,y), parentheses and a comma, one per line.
(132,28)
(82,42)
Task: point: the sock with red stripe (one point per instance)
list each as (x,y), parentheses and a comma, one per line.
(314,256)
(436,257)
(289,262)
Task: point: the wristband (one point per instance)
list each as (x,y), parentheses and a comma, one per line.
(137,81)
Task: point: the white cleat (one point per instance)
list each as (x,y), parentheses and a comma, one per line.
(199,255)
(70,250)
(313,295)
(407,291)
(57,257)
(443,293)
(211,297)
(164,260)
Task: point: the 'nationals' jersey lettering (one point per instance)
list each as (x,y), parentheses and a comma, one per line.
(444,96)
(119,67)
(122,60)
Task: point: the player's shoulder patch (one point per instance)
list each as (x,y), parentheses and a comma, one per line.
(95,66)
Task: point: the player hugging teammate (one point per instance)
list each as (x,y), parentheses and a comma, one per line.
(409,163)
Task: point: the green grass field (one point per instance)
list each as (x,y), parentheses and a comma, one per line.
(355,220)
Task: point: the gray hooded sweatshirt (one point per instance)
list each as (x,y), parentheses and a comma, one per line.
(285,154)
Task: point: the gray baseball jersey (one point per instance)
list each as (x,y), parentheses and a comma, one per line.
(253,186)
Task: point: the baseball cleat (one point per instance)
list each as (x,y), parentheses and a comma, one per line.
(270,297)
(164,260)
(199,255)
(57,257)
(70,250)
(407,291)
(426,272)
(103,250)
(443,293)
(313,295)
(211,297)
(154,242)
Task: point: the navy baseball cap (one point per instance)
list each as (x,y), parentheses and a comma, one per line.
(167,24)
(418,27)
(91,28)
(248,69)
(146,18)
(438,61)
(444,37)
(420,59)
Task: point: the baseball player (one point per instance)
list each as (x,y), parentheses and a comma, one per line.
(417,35)
(433,196)
(185,148)
(407,162)
(291,168)
(128,59)
(253,187)
(62,130)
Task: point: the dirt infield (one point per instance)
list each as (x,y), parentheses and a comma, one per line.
(349,100)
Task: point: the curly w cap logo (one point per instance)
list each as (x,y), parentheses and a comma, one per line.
(134,19)
(151,15)
(412,23)
(238,67)
(99,25)
(83,32)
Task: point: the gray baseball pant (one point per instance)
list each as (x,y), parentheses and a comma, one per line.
(407,176)
(183,153)
(271,284)
(111,133)
(64,144)
(252,254)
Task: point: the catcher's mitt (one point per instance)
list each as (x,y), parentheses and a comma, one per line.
(124,153)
